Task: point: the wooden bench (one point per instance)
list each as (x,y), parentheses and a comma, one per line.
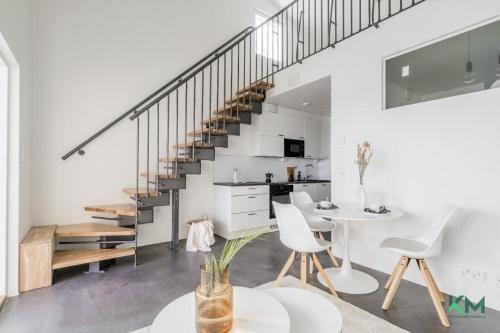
(35,258)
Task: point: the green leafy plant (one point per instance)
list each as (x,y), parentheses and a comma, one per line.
(230,249)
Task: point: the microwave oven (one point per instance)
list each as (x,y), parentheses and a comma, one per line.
(294,148)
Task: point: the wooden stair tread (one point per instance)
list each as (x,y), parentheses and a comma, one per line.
(39,235)
(242,107)
(197,144)
(179,159)
(257,86)
(251,95)
(132,192)
(67,258)
(213,131)
(116,209)
(229,119)
(91,230)
(152,175)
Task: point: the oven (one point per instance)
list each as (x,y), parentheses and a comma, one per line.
(279,193)
(294,148)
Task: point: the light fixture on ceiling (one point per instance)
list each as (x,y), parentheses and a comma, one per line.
(405,71)
(497,71)
(469,75)
(306,104)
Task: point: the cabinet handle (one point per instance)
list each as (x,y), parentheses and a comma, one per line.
(252,213)
(252,188)
(304,185)
(301,137)
(281,134)
(251,197)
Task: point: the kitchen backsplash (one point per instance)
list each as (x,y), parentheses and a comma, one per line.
(255,168)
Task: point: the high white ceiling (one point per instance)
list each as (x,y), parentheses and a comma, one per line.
(317,93)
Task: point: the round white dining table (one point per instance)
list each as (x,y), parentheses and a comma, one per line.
(253,312)
(346,279)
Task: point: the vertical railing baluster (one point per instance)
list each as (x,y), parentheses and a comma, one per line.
(309,27)
(194,118)
(336,23)
(186,120)
(378,8)
(202,103)
(217,93)
(389,9)
(287,36)
(210,107)
(261,53)
(157,185)
(351,17)
(231,83)
(224,92)
(343,19)
(168,134)
(267,51)
(400,5)
(238,79)
(360,16)
(244,61)
(370,13)
(315,26)
(321,22)
(303,30)
(147,155)
(137,172)
(176,131)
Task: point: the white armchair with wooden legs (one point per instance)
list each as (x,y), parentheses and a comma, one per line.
(420,248)
(317,224)
(296,235)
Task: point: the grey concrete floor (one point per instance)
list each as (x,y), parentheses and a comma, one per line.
(124,299)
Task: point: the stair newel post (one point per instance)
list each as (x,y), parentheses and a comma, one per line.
(137,171)
(194,118)
(157,185)
(147,154)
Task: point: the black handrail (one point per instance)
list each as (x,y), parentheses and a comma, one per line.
(179,77)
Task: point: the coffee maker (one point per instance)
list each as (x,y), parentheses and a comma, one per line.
(268,177)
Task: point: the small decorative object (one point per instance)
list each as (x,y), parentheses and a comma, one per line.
(363,159)
(235,175)
(214,295)
(377,210)
(290,173)
(268,177)
(299,176)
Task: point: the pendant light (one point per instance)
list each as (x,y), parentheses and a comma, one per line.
(469,76)
(497,71)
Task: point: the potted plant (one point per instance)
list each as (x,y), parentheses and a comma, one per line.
(214,295)
(363,159)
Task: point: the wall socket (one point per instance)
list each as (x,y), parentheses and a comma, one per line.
(474,274)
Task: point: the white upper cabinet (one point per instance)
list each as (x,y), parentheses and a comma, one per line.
(271,146)
(270,124)
(312,138)
(294,128)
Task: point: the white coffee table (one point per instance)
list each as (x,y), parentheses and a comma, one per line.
(309,312)
(253,311)
(346,279)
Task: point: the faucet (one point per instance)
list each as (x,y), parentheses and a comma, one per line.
(307,175)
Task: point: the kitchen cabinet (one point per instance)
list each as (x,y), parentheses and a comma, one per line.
(322,191)
(294,127)
(312,146)
(240,208)
(270,124)
(309,188)
(272,146)
(325,141)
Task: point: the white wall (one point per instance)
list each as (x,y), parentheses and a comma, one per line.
(95,59)
(15,46)
(426,155)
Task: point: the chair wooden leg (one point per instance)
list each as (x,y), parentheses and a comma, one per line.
(303,268)
(324,275)
(389,281)
(395,283)
(440,294)
(329,251)
(433,292)
(311,266)
(285,269)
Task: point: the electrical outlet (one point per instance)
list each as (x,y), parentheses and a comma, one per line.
(474,274)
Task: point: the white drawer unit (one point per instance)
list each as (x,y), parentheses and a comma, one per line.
(246,190)
(240,208)
(249,203)
(309,188)
(322,191)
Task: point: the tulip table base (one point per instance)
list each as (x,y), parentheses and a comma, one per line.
(353,282)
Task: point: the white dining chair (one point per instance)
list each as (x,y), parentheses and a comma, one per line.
(296,235)
(427,245)
(317,224)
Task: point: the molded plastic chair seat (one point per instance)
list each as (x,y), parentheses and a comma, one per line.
(321,225)
(404,246)
(326,244)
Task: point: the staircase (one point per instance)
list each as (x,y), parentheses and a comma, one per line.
(182,123)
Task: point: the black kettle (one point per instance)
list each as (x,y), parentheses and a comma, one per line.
(268,177)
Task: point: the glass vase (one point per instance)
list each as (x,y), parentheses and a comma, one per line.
(214,302)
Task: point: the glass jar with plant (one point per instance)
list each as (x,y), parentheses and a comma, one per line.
(362,160)
(214,295)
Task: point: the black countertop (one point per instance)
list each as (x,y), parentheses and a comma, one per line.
(310,181)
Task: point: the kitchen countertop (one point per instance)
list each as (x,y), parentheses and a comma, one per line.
(309,181)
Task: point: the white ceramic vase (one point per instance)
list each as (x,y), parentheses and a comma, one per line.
(361,197)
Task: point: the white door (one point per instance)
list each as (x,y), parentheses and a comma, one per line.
(294,128)
(312,145)
(309,188)
(322,191)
